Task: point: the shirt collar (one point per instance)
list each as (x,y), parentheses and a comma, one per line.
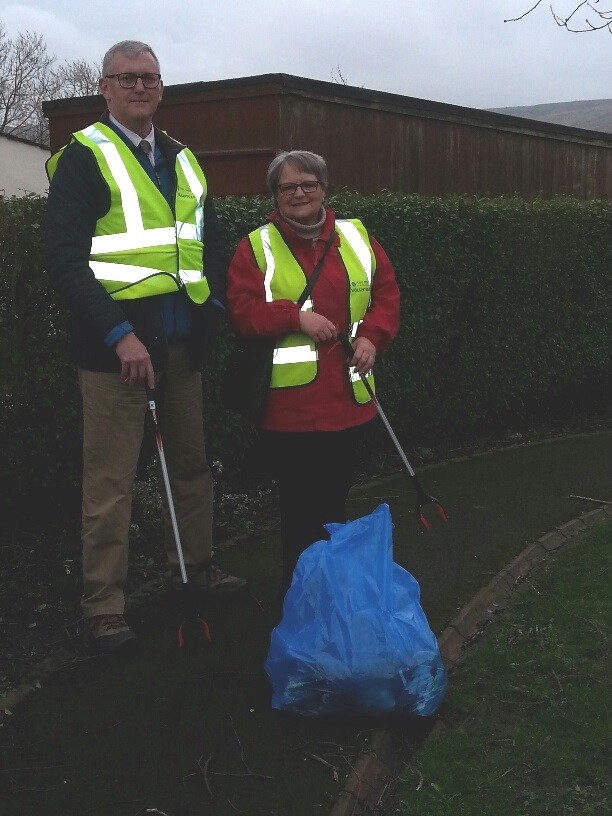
(134,137)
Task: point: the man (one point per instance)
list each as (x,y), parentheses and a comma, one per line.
(134,247)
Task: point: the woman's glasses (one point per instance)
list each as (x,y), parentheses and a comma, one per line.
(291,189)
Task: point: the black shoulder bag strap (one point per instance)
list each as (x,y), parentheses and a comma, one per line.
(316,271)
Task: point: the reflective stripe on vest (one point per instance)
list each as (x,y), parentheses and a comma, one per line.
(140,247)
(358,243)
(296,357)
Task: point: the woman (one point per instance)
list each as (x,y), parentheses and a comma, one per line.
(316,408)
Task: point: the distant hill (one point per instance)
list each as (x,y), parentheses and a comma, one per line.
(590,114)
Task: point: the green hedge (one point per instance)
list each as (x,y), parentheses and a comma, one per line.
(505,325)
(505,310)
(39,402)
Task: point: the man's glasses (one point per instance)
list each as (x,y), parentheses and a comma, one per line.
(291,189)
(128,81)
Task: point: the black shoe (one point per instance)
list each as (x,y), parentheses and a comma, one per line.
(110,635)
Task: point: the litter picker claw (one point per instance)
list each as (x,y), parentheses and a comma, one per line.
(423,498)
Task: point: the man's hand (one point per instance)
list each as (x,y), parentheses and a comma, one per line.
(364,355)
(317,327)
(136,366)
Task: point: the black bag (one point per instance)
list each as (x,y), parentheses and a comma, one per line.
(247,377)
(246,381)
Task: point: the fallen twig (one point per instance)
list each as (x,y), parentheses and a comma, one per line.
(240,746)
(203,772)
(205,775)
(259,604)
(323,762)
(246,775)
(585,677)
(227,673)
(35,768)
(249,772)
(342,748)
(589,499)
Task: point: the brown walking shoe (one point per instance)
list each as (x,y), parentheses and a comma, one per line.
(110,634)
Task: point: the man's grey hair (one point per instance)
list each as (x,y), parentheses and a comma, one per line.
(129,48)
(302,160)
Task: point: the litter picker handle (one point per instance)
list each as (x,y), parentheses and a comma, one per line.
(164,470)
(188,589)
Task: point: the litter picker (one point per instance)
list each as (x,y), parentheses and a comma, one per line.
(189,593)
(423,498)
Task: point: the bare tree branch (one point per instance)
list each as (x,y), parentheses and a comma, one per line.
(337,77)
(77,78)
(603,18)
(29,75)
(596,18)
(516,19)
(24,68)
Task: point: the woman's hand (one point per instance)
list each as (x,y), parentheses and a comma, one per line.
(364,355)
(317,327)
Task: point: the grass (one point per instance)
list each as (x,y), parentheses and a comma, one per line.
(526,718)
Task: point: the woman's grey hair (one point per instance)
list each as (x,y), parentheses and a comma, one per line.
(129,48)
(302,160)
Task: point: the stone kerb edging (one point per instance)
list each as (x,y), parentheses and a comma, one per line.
(366,784)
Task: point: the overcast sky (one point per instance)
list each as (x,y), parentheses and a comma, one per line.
(455,51)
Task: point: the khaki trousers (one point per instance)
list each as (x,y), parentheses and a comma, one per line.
(113,425)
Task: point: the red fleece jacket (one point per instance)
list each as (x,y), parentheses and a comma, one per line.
(327,403)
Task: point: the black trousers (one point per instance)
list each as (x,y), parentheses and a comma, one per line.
(315,471)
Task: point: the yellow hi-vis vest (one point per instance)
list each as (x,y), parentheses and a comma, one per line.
(295,360)
(140,247)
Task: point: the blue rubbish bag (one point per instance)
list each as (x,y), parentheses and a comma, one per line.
(353,638)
